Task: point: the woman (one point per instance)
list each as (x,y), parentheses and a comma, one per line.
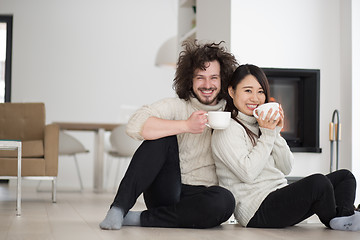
(252,160)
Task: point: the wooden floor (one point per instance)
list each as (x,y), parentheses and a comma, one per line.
(77,215)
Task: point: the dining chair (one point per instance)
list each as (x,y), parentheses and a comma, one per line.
(70,146)
(122,149)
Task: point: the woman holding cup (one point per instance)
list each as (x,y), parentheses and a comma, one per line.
(252,160)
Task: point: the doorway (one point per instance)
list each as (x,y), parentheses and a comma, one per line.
(6,22)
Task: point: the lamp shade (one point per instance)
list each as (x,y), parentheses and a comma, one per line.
(166,55)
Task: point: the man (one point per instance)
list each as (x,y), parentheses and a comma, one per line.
(173,167)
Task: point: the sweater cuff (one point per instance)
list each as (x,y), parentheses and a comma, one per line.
(135,126)
(269,134)
(278,130)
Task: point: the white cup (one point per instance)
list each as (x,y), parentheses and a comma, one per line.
(218,120)
(265,108)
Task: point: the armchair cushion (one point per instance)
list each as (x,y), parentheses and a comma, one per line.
(30,149)
(29,167)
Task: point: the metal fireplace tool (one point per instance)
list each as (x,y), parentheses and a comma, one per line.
(334,136)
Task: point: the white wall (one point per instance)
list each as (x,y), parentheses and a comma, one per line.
(93,60)
(355,15)
(89,61)
(303,34)
(294,34)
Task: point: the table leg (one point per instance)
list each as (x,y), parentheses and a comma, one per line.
(18,199)
(99,161)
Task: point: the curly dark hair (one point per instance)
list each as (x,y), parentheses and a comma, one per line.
(195,56)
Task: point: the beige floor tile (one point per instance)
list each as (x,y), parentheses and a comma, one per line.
(77,216)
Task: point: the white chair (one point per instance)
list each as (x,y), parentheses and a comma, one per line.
(70,146)
(123,148)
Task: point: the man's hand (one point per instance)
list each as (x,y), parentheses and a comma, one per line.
(196,122)
(155,128)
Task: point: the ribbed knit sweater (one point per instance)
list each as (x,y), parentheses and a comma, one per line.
(250,172)
(196,161)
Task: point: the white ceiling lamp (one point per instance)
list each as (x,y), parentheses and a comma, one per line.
(166,55)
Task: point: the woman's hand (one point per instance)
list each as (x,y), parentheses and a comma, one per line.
(281,118)
(269,121)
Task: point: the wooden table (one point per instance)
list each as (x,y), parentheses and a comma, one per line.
(99,129)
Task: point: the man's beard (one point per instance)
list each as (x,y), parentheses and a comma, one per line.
(206,100)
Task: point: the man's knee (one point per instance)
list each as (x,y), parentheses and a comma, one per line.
(168,139)
(160,144)
(223,203)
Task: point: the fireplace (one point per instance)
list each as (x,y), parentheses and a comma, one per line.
(298,91)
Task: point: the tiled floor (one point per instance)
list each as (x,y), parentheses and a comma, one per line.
(77,215)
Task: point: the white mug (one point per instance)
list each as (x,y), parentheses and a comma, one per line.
(265,108)
(218,120)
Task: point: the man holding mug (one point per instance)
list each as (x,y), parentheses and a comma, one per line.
(173,167)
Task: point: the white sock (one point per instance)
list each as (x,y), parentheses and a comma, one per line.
(113,219)
(349,223)
(132,218)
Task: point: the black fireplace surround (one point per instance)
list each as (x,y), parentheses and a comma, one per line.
(298,92)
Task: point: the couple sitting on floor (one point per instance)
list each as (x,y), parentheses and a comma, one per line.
(194,177)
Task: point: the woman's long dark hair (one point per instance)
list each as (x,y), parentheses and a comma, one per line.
(240,73)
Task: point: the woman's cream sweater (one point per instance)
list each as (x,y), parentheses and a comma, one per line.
(196,161)
(250,172)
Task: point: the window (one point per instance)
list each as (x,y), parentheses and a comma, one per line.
(5,57)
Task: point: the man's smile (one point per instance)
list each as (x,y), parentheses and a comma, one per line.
(206,91)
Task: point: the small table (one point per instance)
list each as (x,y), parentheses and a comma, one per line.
(14,145)
(99,129)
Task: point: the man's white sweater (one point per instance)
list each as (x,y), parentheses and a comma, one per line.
(196,160)
(250,172)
